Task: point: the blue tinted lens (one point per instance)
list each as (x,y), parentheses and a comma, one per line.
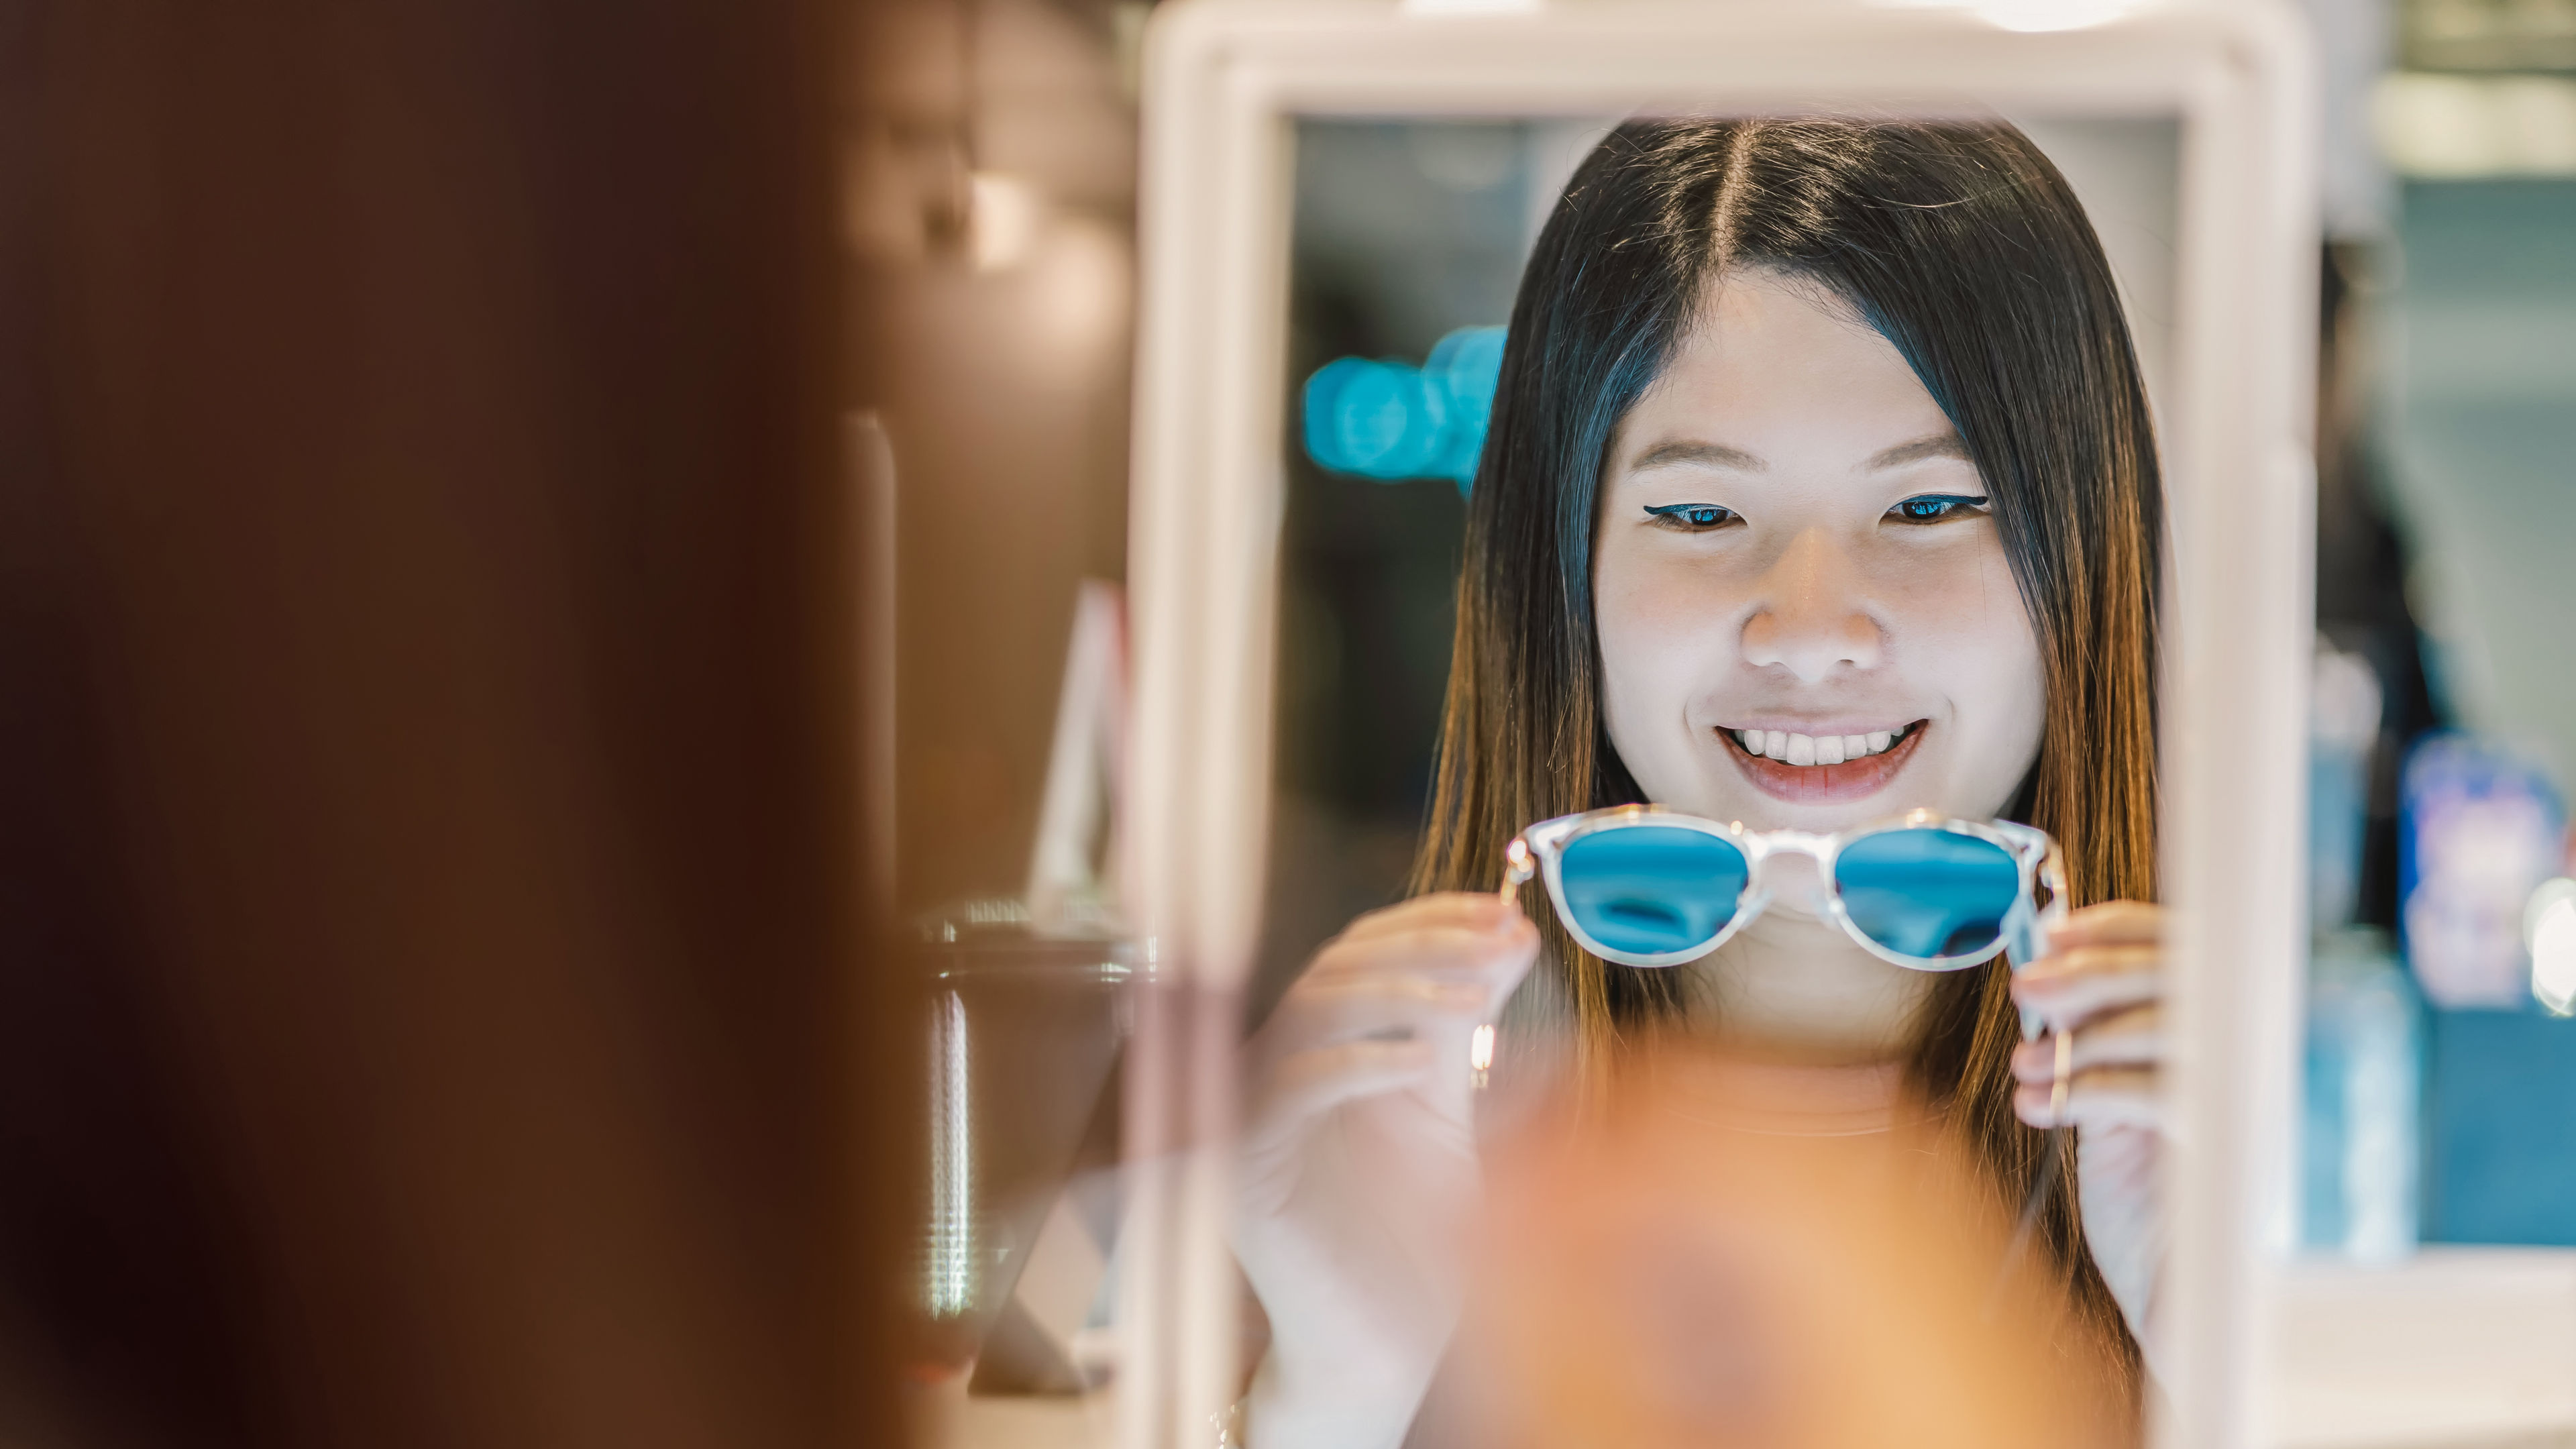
(1928,892)
(1651,889)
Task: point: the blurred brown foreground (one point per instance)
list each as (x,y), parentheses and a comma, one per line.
(1706,1264)
(430,1004)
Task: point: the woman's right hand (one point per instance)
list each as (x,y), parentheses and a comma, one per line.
(1359,1165)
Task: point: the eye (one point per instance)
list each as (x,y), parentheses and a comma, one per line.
(1936,508)
(1692,517)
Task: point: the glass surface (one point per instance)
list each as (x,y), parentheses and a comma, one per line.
(1652,889)
(1928,892)
(1408,240)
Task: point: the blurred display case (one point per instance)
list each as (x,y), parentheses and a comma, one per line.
(1018,1152)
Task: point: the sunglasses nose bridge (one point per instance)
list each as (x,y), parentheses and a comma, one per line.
(1805,846)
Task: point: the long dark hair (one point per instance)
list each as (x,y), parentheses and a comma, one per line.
(1964,247)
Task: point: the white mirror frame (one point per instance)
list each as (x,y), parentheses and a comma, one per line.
(1224,82)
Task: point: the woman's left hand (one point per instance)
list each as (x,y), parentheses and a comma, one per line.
(2103,981)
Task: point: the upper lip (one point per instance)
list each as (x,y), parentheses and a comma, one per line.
(1820,727)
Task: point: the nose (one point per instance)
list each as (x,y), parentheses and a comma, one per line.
(1811,621)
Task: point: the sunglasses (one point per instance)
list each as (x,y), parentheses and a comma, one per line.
(1645,886)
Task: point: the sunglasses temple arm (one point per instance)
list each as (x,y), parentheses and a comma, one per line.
(2028,942)
(1518,866)
(2026,939)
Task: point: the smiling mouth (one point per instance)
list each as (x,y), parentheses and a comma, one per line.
(1820,769)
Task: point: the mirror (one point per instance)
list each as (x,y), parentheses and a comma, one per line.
(1340,202)
(1409,242)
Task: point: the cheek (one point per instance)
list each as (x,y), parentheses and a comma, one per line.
(1662,630)
(1975,624)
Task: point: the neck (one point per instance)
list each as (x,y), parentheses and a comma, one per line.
(1793,986)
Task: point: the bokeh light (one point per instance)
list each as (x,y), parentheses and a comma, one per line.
(2549,928)
(1392,420)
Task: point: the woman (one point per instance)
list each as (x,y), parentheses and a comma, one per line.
(1820,487)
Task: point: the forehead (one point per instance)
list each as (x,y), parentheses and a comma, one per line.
(1781,368)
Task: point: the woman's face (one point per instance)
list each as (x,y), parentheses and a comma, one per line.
(1805,614)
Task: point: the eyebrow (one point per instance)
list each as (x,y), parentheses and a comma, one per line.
(1934,445)
(1716,455)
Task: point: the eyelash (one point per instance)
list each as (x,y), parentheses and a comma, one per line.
(1692,517)
(1707,517)
(1950,505)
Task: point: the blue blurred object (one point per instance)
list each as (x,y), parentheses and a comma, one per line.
(2361,1141)
(1394,420)
(2501,1148)
(2343,736)
(2479,831)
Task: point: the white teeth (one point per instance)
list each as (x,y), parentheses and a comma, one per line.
(1797,749)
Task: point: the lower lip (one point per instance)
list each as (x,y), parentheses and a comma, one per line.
(1823,784)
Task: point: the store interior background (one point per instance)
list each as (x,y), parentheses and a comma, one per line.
(992,202)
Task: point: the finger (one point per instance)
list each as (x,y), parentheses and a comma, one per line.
(2071,998)
(2112,923)
(1428,952)
(1320,1013)
(1305,1086)
(1492,960)
(1457,910)
(2103,1097)
(2133,1037)
(2096,961)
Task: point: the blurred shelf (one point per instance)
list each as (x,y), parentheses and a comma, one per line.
(2456,1348)
(2439,126)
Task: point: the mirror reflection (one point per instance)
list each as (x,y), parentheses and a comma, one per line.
(1798,701)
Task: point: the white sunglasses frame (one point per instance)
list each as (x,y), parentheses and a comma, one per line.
(1539,851)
